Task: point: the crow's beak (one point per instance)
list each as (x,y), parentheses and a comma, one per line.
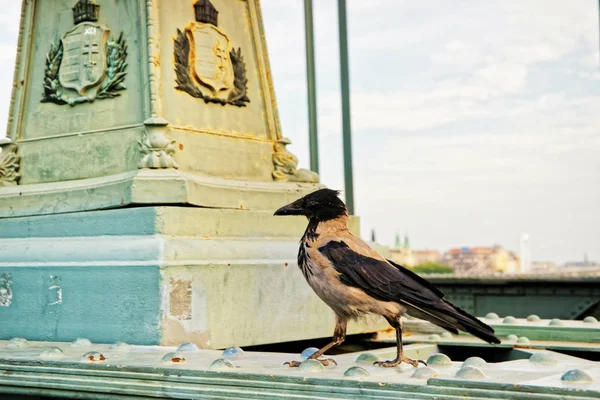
(294,208)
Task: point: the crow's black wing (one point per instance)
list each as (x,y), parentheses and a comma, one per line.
(392,282)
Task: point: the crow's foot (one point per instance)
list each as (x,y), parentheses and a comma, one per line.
(326,362)
(397,361)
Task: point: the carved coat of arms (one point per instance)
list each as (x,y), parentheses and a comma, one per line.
(85,64)
(206,64)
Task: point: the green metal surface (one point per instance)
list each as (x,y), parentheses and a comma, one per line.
(313,136)
(561,296)
(512,370)
(346,117)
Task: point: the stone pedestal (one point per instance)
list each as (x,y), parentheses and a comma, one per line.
(144,162)
(158,275)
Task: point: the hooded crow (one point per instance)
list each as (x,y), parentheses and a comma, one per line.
(354,280)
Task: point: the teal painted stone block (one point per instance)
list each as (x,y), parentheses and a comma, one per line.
(102,303)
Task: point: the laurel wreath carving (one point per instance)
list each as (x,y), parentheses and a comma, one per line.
(9,165)
(111,85)
(238,96)
(116,66)
(52,88)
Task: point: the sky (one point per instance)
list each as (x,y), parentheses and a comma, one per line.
(471,124)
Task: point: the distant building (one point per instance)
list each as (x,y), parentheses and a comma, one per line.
(403,254)
(427,256)
(481,260)
(543,267)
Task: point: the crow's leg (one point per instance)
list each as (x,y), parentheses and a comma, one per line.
(339,334)
(396,323)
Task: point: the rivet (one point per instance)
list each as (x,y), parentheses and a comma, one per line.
(590,320)
(221,364)
(509,320)
(94,356)
(233,352)
(523,340)
(576,376)
(543,358)
(470,373)
(17,342)
(308,352)
(310,365)
(492,316)
(187,347)
(556,322)
(81,342)
(512,336)
(367,358)
(356,372)
(446,335)
(424,373)
(120,346)
(439,359)
(434,336)
(51,352)
(474,362)
(533,318)
(173,358)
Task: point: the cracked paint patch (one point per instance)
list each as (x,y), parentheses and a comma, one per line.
(54,294)
(5,290)
(180,299)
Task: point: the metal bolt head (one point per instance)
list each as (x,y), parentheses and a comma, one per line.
(446,335)
(94,356)
(424,373)
(52,352)
(356,372)
(576,376)
(221,364)
(523,340)
(470,373)
(173,358)
(187,347)
(543,358)
(533,318)
(81,342)
(590,320)
(367,358)
(17,342)
(439,359)
(492,316)
(474,362)
(509,320)
(310,365)
(233,352)
(556,322)
(512,336)
(434,337)
(308,352)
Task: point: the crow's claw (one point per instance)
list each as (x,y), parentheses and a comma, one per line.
(325,362)
(396,362)
(292,364)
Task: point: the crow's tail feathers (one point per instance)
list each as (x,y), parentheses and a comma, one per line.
(452,318)
(468,323)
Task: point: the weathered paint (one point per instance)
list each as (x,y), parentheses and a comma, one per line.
(208,266)
(104,304)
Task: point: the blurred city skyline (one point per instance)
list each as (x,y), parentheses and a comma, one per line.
(471,124)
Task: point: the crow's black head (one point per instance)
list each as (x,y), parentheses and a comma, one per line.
(322,205)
